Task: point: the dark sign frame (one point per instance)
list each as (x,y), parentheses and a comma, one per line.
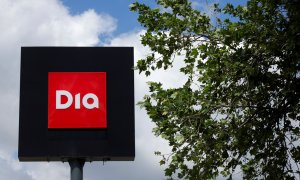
(38,143)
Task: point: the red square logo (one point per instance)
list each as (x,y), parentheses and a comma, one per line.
(77,100)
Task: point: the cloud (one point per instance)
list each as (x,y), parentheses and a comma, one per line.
(170,78)
(205,6)
(48,22)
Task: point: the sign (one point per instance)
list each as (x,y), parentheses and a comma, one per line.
(76,102)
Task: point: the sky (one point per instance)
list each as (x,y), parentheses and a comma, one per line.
(75,23)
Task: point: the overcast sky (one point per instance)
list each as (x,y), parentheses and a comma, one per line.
(74,23)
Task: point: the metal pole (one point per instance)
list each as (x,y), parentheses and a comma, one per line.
(76,166)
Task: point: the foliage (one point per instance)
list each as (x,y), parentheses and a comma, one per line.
(239,109)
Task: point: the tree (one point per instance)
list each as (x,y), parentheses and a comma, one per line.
(239,109)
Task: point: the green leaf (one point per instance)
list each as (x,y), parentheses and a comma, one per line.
(235,111)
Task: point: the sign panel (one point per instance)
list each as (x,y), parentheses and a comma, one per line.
(76,102)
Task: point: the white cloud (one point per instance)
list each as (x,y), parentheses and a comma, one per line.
(170,78)
(205,6)
(46,171)
(48,22)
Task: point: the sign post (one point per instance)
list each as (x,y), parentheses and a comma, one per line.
(76,166)
(76,105)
